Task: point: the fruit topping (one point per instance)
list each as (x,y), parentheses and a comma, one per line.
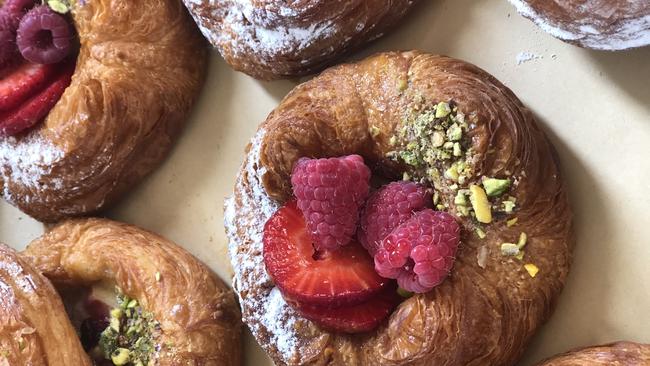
(16,9)
(330,193)
(22,83)
(359,318)
(387,208)
(35,107)
(8,50)
(328,278)
(44,36)
(420,252)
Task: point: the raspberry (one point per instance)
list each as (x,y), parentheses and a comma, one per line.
(330,193)
(8,50)
(43,36)
(16,9)
(387,208)
(420,252)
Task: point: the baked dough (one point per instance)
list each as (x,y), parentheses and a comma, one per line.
(488,309)
(140,68)
(270,39)
(599,24)
(198,315)
(614,354)
(34,327)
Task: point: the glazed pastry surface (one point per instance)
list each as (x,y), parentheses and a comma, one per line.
(489,307)
(614,354)
(198,315)
(34,327)
(270,39)
(598,24)
(139,70)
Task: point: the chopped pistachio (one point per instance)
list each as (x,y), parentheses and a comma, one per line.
(392,141)
(437,139)
(495,187)
(442,110)
(480,204)
(436,197)
(512,222)
(116,313)
(115,324)
(374,131)
(406,176)
(454,187)
(532,269)
(509,249)
(508,206)
(402,84)
(460,199)
(480,233)
(157,276)
(121,356)
(133,303)
(59,6)
(21,344)
(452,173)
(440,207)
(454,133)
(523,238)
(462,210)
(457,150)
(404,293)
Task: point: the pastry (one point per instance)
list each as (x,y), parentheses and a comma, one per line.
(171,309)
(613,354)
(33,323)
(599,24)
(466,146)
(271,39)
(140,67)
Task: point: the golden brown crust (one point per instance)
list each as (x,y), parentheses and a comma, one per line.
(479,316)
(599,24)
(140,68)
(34,327)
(613,354)
(270,39)
(198,315)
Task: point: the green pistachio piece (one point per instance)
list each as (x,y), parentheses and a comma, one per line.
(509,249)
(508,206)
(454,132)
(462,210)
(452,173)
(457,149)
(392,141)
(58,6)
(116,313)
(523,238)
(121,356)
(437,139)
(374,131)
(480,233)
(495,187)
(512,222)
(460,199)
(442,110)
(115,324)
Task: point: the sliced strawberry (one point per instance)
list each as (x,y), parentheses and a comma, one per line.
(343,277)
(23,82)
(358,318)
(37,107)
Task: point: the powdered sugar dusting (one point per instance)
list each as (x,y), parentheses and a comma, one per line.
(25,161)
(630,33)
(263,308)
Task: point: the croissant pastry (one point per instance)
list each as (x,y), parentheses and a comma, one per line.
(34,328)
(614,354)
(599,24)
(140,67)
(493,301)
(271,39)
(183,313)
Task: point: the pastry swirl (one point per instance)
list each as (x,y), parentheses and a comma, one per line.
(489,307)
(270,39)
(140,68)
(613,354)
(34,327)
(198,315)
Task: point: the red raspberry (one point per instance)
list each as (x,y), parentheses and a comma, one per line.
(330,193)
(8,49)
(420,252)
(387,208)
(16,9)
(44,37)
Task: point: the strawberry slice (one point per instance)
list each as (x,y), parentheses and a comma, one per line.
(23,82)
(330,278)
(37,107)
(359,318)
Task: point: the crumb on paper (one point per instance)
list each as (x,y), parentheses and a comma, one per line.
(524,56)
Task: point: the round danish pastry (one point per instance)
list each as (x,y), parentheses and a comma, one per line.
(34,328)
(140,68)
(447,127)
(603,25)
(614,354)
(171,309)
(270,39)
